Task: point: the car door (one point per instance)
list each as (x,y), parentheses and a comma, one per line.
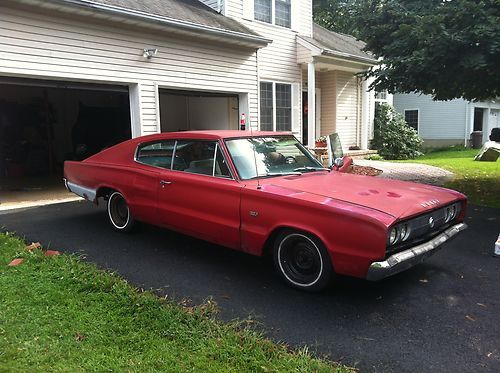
(144,184)
(199,196)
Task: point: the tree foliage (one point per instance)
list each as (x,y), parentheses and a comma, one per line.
(446,48)
(393,138)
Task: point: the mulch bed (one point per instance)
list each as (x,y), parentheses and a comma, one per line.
(364,170)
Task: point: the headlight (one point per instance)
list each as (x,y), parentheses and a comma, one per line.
(393,236)
(404,232)
(451,212)
(398,233)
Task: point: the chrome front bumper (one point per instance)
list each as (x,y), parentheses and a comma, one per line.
(405,259)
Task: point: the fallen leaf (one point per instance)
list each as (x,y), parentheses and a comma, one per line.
(424,280)
(481,304)
(15,262)
(34,246)
(489,354)
(79,337)
(51,253)
(470,318)
(226,297)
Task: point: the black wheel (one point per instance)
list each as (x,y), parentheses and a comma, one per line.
(302,261)
(119,214)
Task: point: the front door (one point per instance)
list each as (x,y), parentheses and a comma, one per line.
(199,197)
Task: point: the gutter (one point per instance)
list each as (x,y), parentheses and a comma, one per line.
(166,21)
(332,53)
(329,52)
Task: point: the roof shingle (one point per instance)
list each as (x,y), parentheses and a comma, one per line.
(192,11)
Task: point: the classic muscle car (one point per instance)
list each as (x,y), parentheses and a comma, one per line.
(263,192)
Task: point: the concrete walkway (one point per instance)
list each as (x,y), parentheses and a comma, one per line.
(419,173)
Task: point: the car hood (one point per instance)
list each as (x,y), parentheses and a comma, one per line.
(397,198)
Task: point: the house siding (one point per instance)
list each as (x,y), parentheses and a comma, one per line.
(328,102)
(348,115)
(438,120)
(44,46)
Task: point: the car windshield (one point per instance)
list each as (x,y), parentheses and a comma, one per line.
(271,156)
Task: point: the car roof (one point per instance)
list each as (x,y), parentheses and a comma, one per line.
(209,135)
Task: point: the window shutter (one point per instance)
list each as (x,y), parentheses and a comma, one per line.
(296,110)
(248,9)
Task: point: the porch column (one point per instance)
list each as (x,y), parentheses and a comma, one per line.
(311,104)
(365,114)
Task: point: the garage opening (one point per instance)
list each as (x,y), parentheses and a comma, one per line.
(43,123)
(191,110)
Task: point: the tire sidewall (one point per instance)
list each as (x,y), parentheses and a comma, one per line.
(130,220)
(323,278)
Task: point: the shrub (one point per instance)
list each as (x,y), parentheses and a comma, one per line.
(393,137)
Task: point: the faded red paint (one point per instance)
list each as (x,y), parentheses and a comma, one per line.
(351,214)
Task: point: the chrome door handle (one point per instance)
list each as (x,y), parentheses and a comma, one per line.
(163,182)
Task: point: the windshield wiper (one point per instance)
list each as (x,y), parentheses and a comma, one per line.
(309,168)
(294,172)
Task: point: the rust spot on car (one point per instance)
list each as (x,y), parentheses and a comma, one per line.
(393,195)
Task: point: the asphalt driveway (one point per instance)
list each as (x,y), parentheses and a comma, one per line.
(443,315)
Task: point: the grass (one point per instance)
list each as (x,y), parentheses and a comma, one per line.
(62,314)
(480,181)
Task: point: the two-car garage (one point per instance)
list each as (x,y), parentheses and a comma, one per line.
(78,76)
(45,122)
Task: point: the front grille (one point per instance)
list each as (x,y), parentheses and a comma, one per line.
(423,228)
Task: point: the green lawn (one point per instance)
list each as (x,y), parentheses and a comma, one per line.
(480,181)
(61,314)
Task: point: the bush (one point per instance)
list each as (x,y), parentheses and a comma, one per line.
(393,137)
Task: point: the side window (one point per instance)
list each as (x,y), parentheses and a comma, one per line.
(200,157)
(158,154)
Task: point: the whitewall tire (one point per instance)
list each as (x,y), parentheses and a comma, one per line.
(119,213)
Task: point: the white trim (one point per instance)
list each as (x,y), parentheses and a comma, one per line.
(274,82)
(418,117)
(273,16)
(311,104)
(317,106)
(135,109)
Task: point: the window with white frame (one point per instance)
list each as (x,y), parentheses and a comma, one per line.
(411,118)
(275,106)
(276,12)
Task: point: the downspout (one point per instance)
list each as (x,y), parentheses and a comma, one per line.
(219,6)
(465,124)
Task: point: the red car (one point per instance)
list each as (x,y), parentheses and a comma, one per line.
(265,193)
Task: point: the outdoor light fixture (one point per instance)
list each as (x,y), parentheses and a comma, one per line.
(149,52)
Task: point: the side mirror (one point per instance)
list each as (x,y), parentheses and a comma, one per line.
(338,162)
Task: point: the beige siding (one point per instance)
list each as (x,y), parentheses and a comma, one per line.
(39,46)
(234,8)
(328,102)
(303,54)
(347,117)
(303,14)
(277,61)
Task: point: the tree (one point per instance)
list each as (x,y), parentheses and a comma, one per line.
(338,15)
(446,48)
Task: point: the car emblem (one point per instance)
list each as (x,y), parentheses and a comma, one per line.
(431,222)
(430,203)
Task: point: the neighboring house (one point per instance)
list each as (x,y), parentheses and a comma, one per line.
(83,74)
(442,123)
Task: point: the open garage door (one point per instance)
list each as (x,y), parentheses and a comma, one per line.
(191,110)
(43,123)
